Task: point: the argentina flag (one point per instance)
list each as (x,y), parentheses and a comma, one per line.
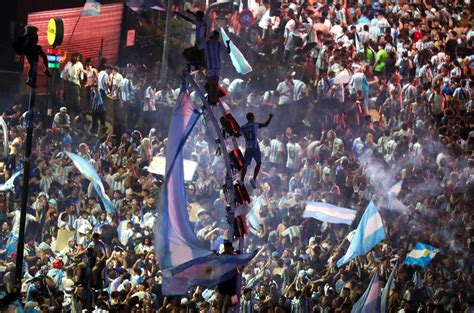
(329,213)
(184,261)
(421,255)
(254,219)
(206,271)
(91,8)
(369,302)
(89,172)
(369,232)
(175,241)
(144,5)
(239,62)
(9,184)
(384,304)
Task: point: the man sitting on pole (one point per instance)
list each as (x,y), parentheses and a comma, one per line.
(213,50)
(252,149)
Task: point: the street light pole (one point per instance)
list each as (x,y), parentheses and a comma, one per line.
(166,44)
(26,185)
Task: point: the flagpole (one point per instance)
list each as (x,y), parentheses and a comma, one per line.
(75,25)
(26,186)
(164,59)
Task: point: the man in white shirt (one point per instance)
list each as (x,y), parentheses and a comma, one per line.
(285,91)
(277,151)
(115,79)
(293,160)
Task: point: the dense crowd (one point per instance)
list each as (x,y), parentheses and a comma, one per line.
(367,95)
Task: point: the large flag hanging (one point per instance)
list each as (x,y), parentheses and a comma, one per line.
(175,241)
(185,262)
(239,62)
(88,171)
(143,5)
(329,213)
(384,306)
(91,8)
(206,271)
(421,255)
(369,232)
(369,302)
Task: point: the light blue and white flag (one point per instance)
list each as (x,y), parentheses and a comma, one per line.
(369,302)
(91,8)
(89,172)
(239,62)
(357,43)
(393,202)
(395,189)
(10,183)
(421,255)
(384,306)
(175,241)
(254,220)
(255,280)
(369,233)
(12,244)
(365,88)
(4,127)
(184,261)
(144,5)
(206,271)
(329,213)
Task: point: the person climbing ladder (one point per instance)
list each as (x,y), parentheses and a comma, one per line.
(252,150)
(213,50)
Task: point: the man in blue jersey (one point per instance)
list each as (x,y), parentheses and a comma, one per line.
(252,149)
(213,50)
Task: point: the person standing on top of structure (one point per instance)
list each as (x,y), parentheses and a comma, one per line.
(197,51)
(27,45)
(252,149)
(213,50)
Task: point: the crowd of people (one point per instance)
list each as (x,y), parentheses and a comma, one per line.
(368,94)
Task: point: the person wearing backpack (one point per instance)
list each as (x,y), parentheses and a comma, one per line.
(27,45)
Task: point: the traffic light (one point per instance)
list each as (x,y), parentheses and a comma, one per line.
(54,59)
(275,8)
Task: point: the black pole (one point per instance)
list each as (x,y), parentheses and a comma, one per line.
(26,184)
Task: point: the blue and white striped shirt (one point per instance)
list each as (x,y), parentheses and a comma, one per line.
(214,49)
(97,101)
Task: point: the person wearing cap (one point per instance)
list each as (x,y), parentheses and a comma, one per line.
(61,119)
